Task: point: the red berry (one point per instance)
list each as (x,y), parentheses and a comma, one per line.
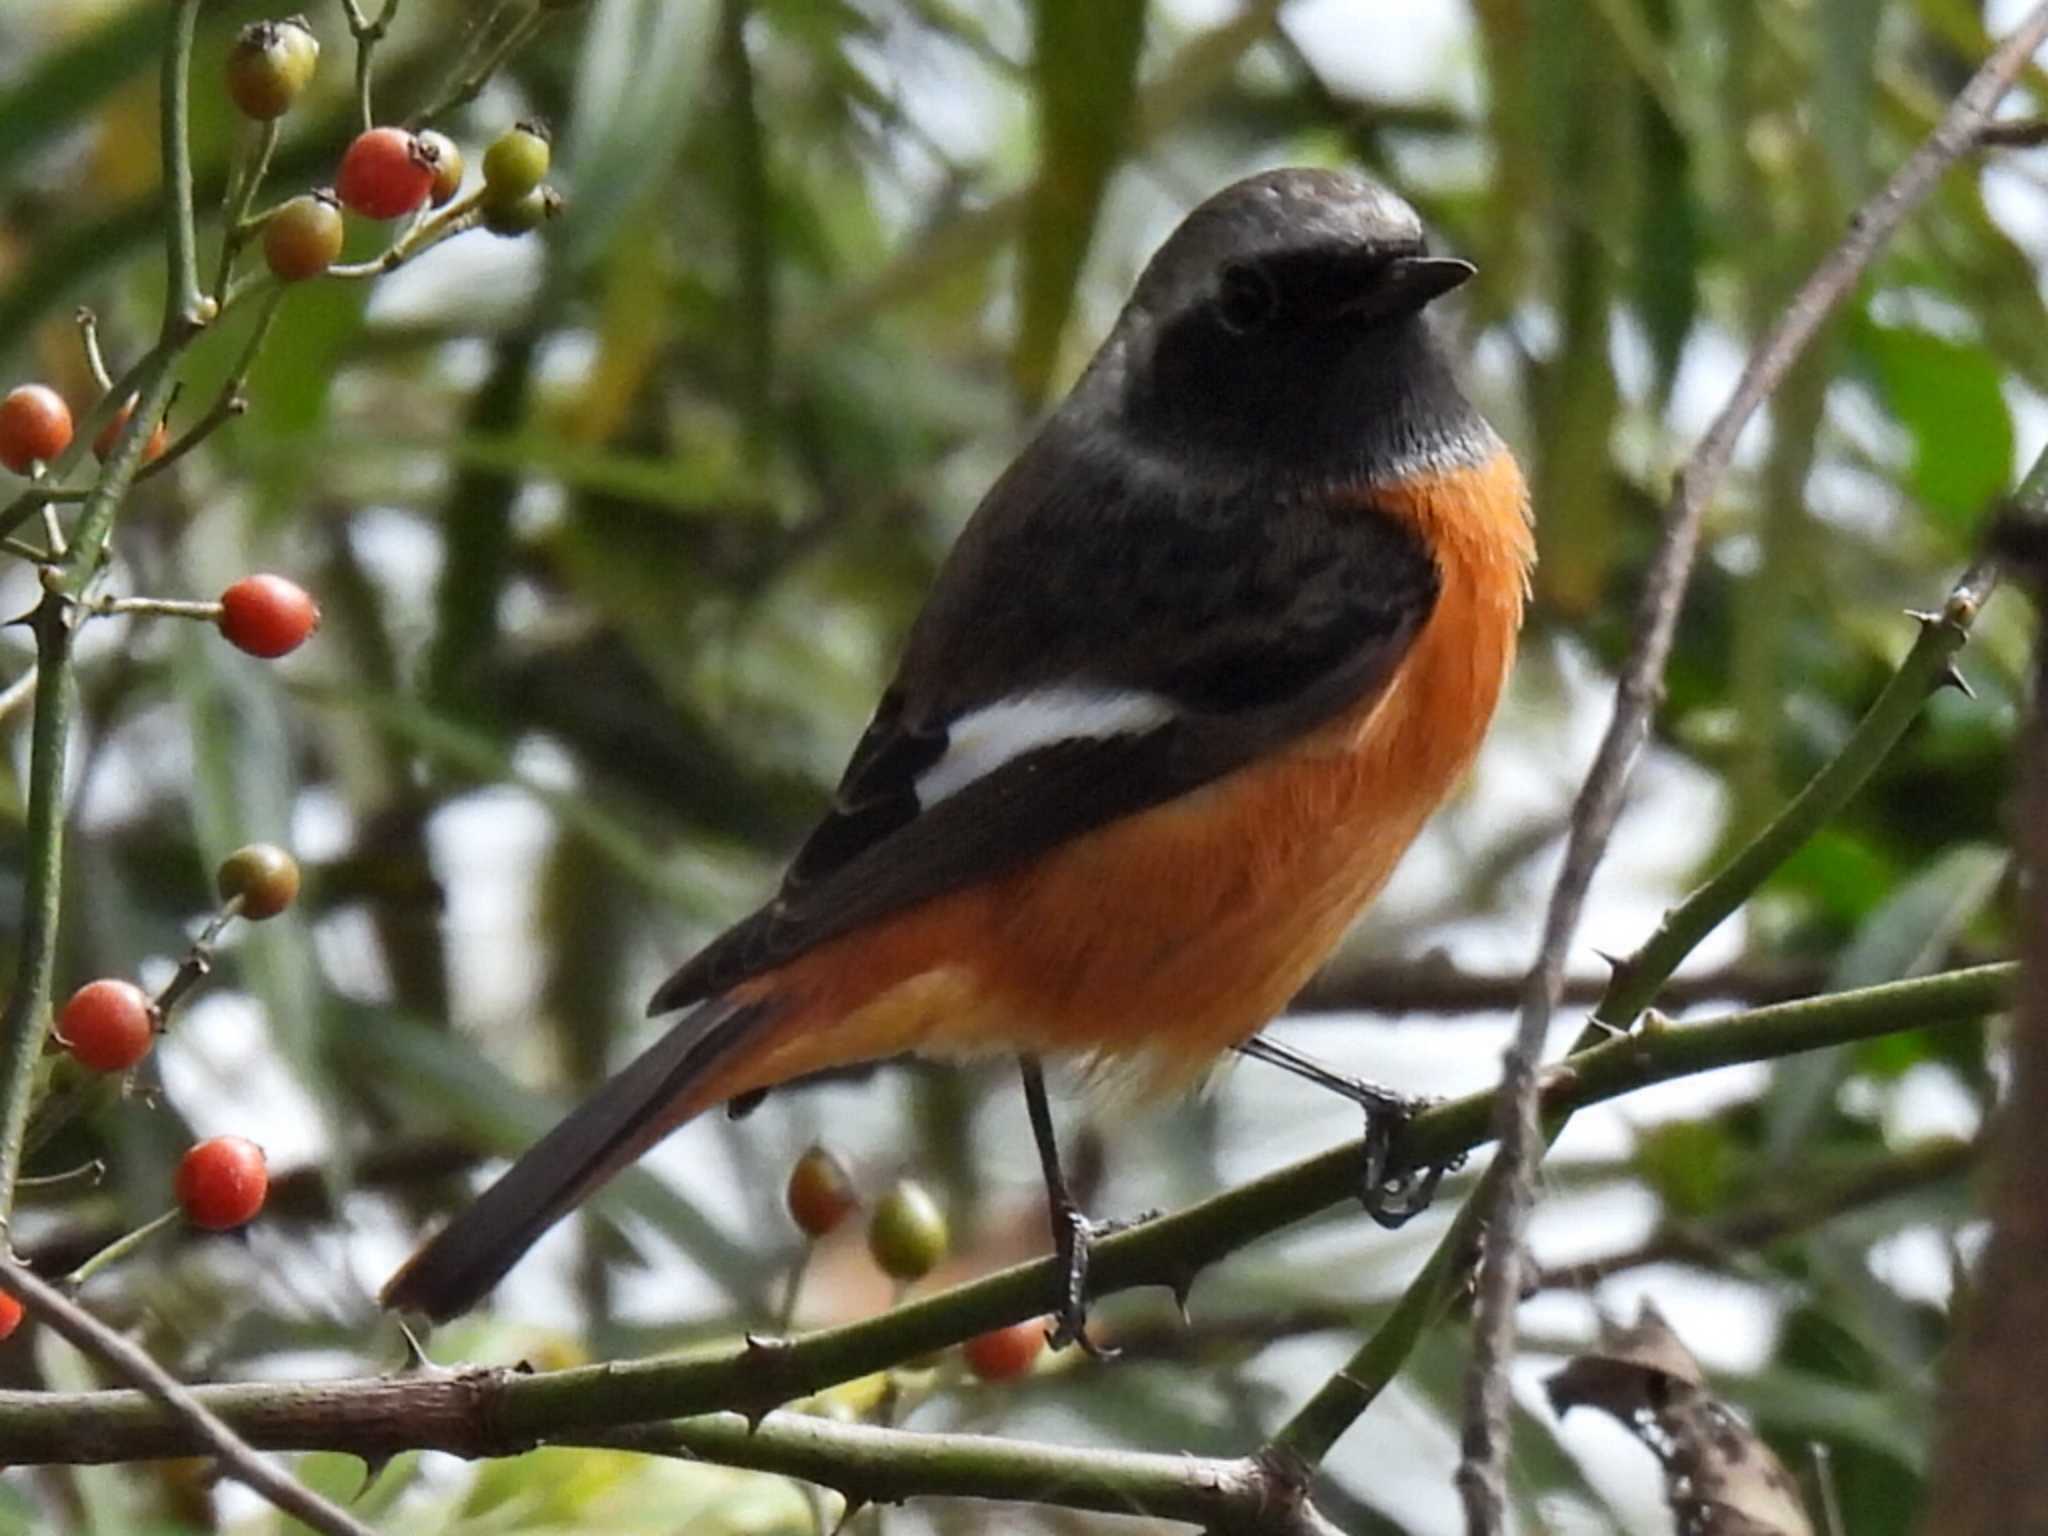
(516,162)
(103,445)
(107,1025)
(270,65)
(263,875)
(820,1193)
(385,173)
(447,166)
(302,238)
(221,1183)
(267,616)
(10,1315)
(1003,1354)
(35,423)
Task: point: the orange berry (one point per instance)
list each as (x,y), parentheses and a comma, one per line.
(303,237)
(820,1193)
(35,425)
(267,616)
(1003,1354)
(159,435)
(447,156)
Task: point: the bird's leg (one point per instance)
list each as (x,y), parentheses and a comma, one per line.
(1072,1232)
(1391,1199)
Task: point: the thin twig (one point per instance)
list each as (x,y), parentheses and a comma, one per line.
(1482,1473)
(237,1458)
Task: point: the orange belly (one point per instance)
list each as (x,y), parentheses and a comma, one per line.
(1167,937)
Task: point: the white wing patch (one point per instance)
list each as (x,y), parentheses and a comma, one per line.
(980,742)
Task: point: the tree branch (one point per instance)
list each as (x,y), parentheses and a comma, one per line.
(495,1412)
(1482,1473)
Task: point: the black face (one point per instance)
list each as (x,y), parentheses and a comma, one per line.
(1313,357)
(1279,330)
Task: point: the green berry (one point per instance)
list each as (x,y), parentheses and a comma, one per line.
(524,215)
(516,163)
(907,1233)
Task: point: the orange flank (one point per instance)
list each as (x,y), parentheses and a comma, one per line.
(1167,937)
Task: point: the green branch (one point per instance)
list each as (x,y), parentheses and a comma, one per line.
(1929,665)
(1663,1050)
(181,241)
(486,1412)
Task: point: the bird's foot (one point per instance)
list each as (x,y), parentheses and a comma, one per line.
(1391,1194)
(1074,1239)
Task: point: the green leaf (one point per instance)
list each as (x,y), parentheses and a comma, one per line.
(1948,395)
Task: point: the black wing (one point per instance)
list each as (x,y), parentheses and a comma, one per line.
(1255,617)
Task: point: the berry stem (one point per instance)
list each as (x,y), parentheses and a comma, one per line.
(160,607)
(197,962)
(460,215)
(89,338)
(88,1173)
(785,1314)
(246,176)
(117,1250)
(367,34)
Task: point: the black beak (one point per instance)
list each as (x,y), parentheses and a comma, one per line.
(1404,285)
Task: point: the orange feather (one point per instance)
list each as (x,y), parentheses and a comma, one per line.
(1165,938)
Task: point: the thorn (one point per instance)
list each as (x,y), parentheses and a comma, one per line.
(1182,1286)
(1951,678)
(1923,618)
(853,1507)
(1611,1031)
(373,1468)
(1614,962)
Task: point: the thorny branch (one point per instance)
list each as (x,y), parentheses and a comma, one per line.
(1482,1473)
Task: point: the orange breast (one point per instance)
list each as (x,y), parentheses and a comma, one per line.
(1171,935)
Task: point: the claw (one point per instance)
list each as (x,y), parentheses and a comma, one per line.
(1395,1199)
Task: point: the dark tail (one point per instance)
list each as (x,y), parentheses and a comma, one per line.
(649,1098)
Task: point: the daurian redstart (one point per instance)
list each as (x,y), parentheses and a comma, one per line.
(1199,667)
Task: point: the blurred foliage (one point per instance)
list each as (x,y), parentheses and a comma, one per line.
(617,531)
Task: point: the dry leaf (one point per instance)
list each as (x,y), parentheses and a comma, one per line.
(1720,1479)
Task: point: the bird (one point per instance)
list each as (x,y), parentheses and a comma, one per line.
(1193,676)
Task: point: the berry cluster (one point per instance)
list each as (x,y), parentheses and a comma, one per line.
(907,1238)
(109,1026)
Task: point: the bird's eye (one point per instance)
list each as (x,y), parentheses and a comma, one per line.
(1246,299)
